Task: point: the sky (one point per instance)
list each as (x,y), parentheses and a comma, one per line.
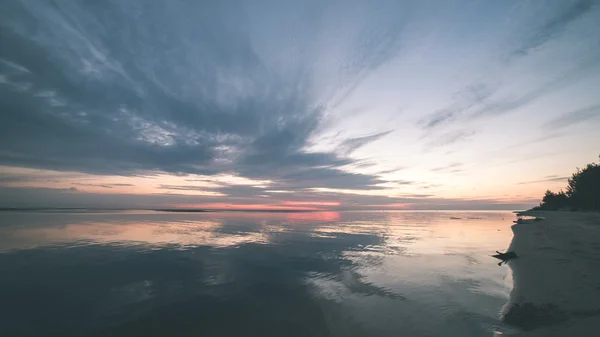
(312,105)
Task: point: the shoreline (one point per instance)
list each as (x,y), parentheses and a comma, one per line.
(556,275)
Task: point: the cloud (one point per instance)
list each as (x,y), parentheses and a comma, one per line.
(94,185)
(471,96)
(393,170)
(403,182)
(202,94)
(481,106)
(8,177)
(552,178)
(418,195)
(480,98)
(244,89)
(563,80)
(536,140)
(34,192)
(182,187)
(552,28)
(446,167)
(12,178)
(103,185)
(449,138)
(364,164)
(574,117)
(327,178)
(46,197)
(352,144)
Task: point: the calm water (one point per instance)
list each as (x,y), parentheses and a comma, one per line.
(252,274)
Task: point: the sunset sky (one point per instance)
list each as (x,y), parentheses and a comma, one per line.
(296,104)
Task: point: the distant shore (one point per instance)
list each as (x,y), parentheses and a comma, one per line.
(556,274)
(173,210)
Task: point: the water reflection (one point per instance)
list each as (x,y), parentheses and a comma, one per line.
(313,216)
(273,274)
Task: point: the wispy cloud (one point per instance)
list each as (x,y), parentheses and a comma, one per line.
(103,185)
(483,97)
(566,78)
(574,117)
(446,167)
(352,144)
(393,170)
(92,185)
(546,180)
(537,140)
(469,97)
(449,138)
(552,28)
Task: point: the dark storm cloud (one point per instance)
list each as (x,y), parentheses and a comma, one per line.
(132,88)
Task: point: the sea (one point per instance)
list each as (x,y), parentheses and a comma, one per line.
(155,273)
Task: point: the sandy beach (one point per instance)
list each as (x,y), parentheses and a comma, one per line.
(556,275)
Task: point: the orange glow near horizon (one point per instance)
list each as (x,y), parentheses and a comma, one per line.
(207,188)
(225,206)
(314,216)
(312,203)
(401,206)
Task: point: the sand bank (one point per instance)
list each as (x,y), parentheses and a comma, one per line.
(556,275)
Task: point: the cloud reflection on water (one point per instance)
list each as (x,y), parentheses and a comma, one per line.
(271,273)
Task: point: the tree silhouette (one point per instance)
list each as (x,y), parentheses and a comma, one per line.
(583,188)
(555,201)
(582,193)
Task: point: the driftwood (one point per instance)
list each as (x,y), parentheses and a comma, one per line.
(504,256)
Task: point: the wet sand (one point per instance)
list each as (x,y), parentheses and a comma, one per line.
(556,275)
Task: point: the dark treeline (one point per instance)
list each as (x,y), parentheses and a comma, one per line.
(582,192)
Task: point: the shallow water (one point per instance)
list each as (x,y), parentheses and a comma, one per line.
(252,274)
